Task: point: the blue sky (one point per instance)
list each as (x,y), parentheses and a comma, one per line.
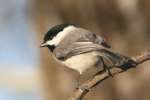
(16,49)
(15,32)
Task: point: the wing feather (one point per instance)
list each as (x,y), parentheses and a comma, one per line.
(110,58)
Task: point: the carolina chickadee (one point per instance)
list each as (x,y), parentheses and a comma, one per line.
(80,49)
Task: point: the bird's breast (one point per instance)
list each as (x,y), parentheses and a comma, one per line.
(81,62)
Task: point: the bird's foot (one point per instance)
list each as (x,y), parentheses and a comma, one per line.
(109,72)
(107,69)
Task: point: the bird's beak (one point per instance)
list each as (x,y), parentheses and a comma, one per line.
(106,45)
(43,45)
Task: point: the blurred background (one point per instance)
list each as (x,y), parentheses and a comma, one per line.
(30,73)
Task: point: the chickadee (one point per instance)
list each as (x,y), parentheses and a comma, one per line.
(80,49)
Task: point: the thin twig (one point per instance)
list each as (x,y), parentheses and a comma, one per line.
(79,93)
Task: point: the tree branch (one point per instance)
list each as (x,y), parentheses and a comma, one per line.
(84,88)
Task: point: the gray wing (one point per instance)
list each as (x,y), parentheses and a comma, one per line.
(110,58)
(83,47)
(76,48)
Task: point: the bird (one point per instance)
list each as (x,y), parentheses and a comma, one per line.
(80,49)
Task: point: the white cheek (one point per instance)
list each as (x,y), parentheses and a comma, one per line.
(51,42)
(55,41)
(61,35)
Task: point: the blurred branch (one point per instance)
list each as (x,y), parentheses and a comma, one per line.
(84,88)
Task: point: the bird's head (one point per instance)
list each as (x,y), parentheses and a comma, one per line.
(55,35)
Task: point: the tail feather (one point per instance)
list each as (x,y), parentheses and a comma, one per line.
(112,59)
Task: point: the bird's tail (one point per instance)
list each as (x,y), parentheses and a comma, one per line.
(112,59)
